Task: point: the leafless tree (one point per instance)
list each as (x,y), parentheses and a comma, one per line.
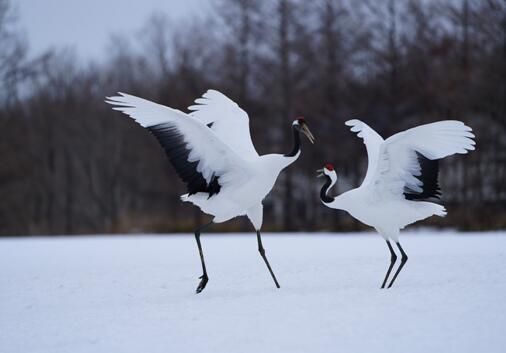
(71,165)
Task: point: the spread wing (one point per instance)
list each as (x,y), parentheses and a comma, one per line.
(372,141)
(228,121)
(407,162)
(199,156)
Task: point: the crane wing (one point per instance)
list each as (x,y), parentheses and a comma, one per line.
(228,121)
(201,159)
(372,141)
(407,164)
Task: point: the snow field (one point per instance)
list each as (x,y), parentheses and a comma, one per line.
(136,294)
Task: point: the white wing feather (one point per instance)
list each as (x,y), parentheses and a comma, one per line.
(214,156)
(228,121)
(372,141)
(398,164)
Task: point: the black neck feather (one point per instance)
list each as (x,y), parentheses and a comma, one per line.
(323,192)
(296,142)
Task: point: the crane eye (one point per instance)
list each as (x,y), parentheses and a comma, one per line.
(329,166)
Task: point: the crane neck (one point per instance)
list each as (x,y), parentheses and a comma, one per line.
(325,188)
(296,142)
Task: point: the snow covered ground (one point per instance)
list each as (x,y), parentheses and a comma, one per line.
(136,294)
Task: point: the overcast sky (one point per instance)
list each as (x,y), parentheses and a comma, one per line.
(86,25)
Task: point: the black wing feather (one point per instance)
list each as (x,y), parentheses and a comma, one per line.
(177,151)
(429,177)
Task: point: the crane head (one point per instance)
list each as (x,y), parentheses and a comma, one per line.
(301,125)
(327,170)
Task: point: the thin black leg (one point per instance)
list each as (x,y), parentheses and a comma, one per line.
(404,259)
(393,258)
(261,250)
(204,278)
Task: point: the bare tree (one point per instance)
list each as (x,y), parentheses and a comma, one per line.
(71,165)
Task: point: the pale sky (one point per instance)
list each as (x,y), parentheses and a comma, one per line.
(86,25)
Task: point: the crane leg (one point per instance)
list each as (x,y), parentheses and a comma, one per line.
(261,250)
(204,278)
(404,259)
(393,258)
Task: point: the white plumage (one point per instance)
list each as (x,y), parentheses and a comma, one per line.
(401,174)
(228,121)
(212,151)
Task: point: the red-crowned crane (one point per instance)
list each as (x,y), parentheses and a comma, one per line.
(211,150)
(401,176)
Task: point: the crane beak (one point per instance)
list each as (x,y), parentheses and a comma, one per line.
(305,130)
(320,173)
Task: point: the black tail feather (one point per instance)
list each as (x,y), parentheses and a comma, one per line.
(176,149)
(429,171)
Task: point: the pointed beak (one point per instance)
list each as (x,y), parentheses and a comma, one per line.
(320,173)
(308,133)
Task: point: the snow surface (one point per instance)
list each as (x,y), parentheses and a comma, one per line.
(136,294)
